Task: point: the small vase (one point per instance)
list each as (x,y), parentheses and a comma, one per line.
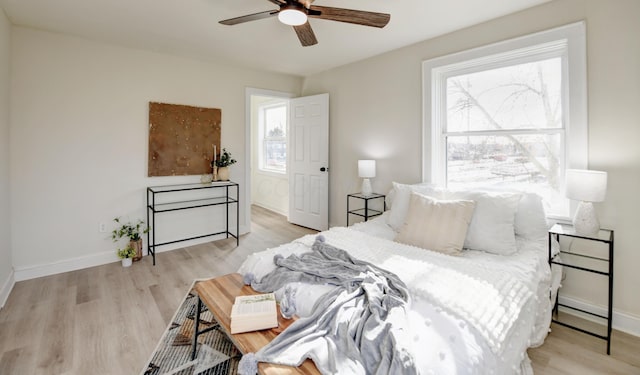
(126,262)
(137,245)
(223,173)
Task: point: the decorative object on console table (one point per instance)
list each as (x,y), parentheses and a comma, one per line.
(223,174)
(586,186)
(222,165)
(366,170)
(366,212)
(214,169)
(206,178)
(132,232)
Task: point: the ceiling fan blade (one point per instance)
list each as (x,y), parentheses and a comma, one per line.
(358,17)
(277,2)
(306,35)
(250,17)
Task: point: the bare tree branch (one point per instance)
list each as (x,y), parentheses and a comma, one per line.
(472,100)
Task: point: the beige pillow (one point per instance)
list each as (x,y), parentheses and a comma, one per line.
(438,225)
(398,201)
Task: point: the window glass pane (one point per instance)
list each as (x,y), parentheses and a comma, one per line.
(522,162)
(274,139)
(275,122)
(522,96)
(275,155)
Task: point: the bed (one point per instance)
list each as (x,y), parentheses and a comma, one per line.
(476,303)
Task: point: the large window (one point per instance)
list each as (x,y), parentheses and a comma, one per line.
(273,138)
(511,115)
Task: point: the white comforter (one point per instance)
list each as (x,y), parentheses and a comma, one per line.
(475,314)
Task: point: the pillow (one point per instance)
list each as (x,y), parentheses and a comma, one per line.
(399,200)
(492,227)
(531,220)
(438,225)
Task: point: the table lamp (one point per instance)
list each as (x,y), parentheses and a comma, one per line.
(366,170)
(586,186)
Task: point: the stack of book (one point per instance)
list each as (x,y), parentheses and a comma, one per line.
(253,313)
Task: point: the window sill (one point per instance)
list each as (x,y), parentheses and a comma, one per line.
(280,175)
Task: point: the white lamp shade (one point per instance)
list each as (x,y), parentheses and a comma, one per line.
(366,168)
(292,17)
(586,185)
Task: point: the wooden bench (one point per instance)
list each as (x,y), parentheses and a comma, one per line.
(218,294)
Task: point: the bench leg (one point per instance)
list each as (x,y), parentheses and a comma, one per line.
(196,326)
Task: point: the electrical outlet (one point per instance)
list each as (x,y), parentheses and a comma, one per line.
(103,227)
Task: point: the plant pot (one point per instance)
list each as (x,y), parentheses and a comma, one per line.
(223,173)
(126,262)
(138,246)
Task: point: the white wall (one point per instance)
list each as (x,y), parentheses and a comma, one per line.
(268,190)
(376,113)
(79,119)
(6,269)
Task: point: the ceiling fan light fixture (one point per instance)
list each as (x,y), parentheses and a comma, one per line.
(292,16)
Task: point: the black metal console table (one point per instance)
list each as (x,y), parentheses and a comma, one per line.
(212,199)
(604,236)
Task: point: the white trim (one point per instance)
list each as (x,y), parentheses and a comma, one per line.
(274,209)
(621,321)
(97,259)
(7,287)
(249,92)
(66,265)
(262,109)
(567,42)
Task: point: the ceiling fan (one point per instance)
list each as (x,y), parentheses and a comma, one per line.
(296,13)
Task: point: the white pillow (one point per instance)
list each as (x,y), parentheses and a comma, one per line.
(400,194)
(438,225)
(492,227)
(531,220)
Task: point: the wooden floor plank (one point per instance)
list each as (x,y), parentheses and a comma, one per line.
(108,319)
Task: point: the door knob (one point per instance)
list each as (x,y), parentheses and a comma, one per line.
(323,169)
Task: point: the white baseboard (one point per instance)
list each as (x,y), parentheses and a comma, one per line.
(97,259)
(7,287)
(271,208)
(66,265)
(621,321)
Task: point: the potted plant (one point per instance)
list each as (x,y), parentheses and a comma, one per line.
(132,232)
(127,255)
(223,163)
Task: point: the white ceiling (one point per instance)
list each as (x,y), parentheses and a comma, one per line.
(190,27)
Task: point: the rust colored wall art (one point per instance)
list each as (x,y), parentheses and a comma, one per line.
(182,139)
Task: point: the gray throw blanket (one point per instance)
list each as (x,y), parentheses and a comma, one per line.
(360,327)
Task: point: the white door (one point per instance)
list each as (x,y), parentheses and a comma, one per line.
(309,161)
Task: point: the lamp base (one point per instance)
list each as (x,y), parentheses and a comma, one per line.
(366,187)
(585,220)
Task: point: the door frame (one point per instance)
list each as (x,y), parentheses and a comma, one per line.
(249,92)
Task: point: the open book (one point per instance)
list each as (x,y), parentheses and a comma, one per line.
(252,313)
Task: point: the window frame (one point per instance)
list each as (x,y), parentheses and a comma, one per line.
(567,42)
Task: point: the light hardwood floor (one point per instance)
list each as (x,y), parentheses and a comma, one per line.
(108,319)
